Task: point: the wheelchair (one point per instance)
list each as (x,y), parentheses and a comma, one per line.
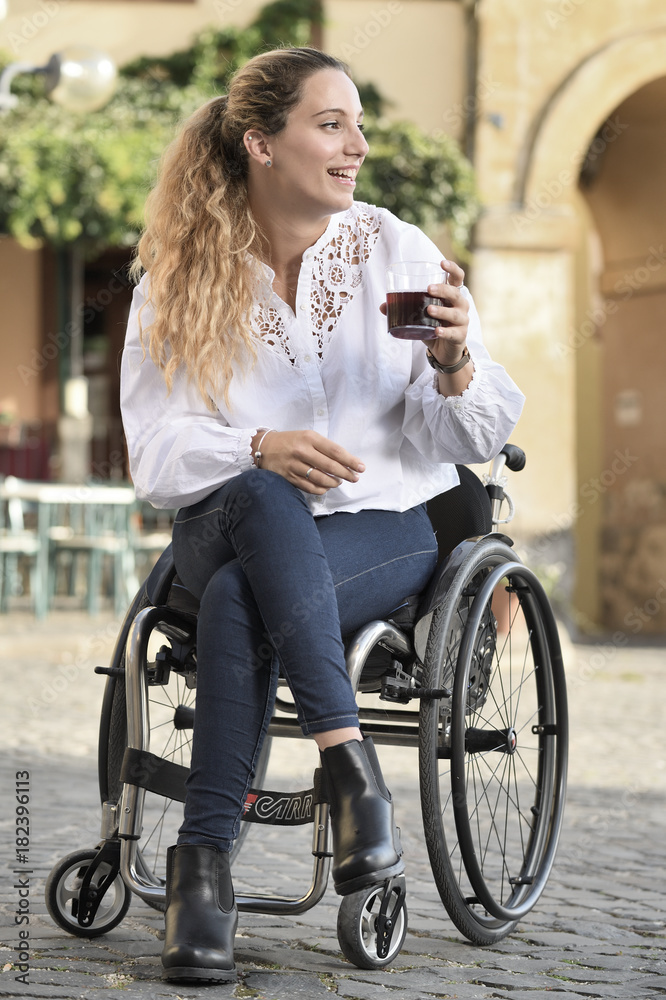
(470,672)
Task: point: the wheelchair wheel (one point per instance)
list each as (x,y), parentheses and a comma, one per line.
(358,926)
(493,754)
(171,717)
(62,893)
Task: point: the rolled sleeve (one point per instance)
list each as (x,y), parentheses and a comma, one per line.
(179,451)
(472,427)
(469,428)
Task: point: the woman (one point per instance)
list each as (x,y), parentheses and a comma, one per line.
(263,397)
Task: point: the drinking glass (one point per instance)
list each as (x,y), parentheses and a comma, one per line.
(407,298)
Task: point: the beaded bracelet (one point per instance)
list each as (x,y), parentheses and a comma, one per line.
(257,450)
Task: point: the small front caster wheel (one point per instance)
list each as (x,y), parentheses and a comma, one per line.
(360,922)
(62,895)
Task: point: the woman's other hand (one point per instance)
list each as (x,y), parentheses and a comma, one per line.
(307,459)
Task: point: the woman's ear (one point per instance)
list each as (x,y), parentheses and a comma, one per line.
(257,146)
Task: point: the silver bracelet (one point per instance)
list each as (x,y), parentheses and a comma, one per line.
(257,450)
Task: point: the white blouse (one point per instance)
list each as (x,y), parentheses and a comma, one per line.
(332,367)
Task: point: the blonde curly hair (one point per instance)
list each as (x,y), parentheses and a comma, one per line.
(200,235)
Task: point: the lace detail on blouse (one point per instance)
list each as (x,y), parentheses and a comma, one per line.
(337,272)
(270,327)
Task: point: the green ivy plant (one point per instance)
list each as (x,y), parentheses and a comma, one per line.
(66,178)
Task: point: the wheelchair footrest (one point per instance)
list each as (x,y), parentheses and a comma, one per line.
(163,777)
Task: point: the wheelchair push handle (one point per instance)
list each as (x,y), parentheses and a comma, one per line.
(513,458)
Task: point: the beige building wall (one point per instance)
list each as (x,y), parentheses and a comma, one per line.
(20,319)
(562,69)
(413,50)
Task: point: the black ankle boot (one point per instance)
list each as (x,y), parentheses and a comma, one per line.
(366,848)
(201,915)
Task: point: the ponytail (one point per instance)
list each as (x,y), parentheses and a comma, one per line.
(200,233)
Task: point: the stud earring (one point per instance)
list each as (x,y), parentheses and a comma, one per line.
(268,163)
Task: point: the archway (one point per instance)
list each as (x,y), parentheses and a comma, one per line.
(601,134)
(624,190)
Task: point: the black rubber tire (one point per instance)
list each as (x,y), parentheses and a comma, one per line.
(509,746)
(60,890)
(455,660)
(357,929)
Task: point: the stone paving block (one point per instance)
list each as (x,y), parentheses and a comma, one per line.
(521,994)
(66,985)
(505,980)
(142,968)
(287,986)
(297,959)
(80,966)
(355,990)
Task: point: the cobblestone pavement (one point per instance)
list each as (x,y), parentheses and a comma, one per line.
(598,931)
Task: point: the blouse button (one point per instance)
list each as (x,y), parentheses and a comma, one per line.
(303,307)
(307,359)
(320,412)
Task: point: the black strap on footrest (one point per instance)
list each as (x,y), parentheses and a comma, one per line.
(285,808)
(163,777)
(153,773)
(279,808)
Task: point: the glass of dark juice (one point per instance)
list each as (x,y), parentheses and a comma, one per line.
(407,298)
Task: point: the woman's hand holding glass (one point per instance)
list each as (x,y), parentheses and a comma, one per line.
(446,342)
(450,338)
(308,460)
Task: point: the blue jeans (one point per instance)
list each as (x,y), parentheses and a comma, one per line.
(278,590)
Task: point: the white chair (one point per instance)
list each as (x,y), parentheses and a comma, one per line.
(99,531)
(20,550)
(150,534)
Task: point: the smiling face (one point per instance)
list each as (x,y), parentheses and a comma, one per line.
(316,157)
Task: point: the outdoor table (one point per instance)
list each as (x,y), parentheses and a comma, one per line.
(106,529)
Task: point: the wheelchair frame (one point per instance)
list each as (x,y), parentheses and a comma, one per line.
(445,662)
